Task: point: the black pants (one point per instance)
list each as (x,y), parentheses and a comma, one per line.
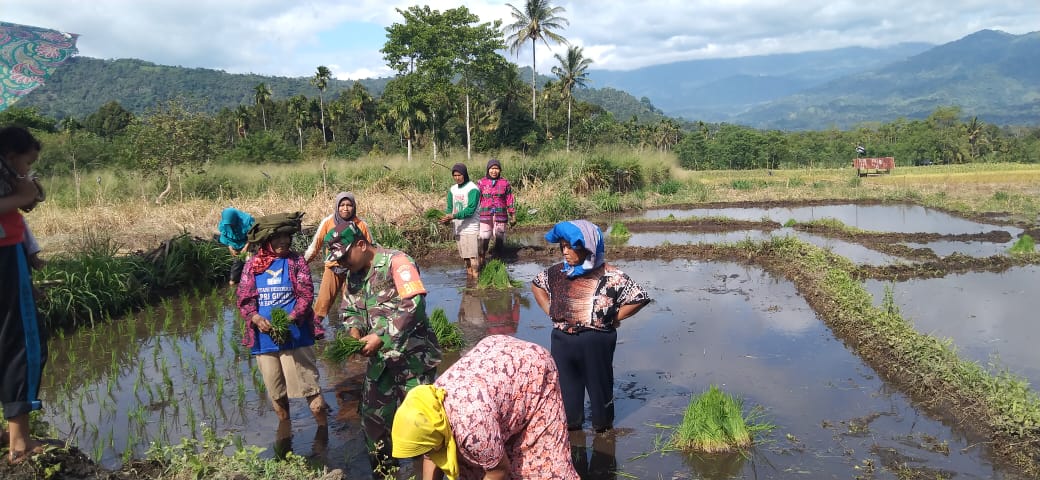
(236,270)
(23,347)
(586,363)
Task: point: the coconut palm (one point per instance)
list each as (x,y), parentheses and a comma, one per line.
(321,80)
(299,114)
(539,20)
(573,71)
(262,95)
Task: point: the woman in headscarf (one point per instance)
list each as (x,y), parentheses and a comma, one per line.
(495,413)
(344,213)
(234,224)
(463,200)
(496,209)
(586,299)
(276,278)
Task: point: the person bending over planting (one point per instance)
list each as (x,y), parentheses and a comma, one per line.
(274,297)
(384,306)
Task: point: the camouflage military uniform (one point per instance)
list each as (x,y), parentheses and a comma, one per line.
(390,301)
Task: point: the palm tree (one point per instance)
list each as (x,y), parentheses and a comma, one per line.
(573,71)
(361,104)
(406,114)
(321,80)
(262,95)
(299,113)
(537,21)
(241,120)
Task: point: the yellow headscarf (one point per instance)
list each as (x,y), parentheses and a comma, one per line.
(421,427)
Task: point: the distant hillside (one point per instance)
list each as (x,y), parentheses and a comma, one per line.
(991,74)
(80,87)
(85,84)
(717,89)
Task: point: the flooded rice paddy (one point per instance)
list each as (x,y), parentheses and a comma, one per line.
(170,371)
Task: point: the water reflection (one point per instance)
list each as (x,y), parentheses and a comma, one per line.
(720,323)
(597,461)
(988,316)
(718,466)
(878,218)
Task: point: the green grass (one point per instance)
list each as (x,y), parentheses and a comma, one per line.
(449,335)
(192,460)
(1024,245)
(714,422)
(619,232)
(495,276)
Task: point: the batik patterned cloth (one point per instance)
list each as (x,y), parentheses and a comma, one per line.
(28,56)
(496,200)
(503,400)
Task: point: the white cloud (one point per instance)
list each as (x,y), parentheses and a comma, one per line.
(290,38)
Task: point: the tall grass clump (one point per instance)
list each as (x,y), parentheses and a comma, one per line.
(564,206)
(495,276)
(715,423)
(1024,245)
(449,335)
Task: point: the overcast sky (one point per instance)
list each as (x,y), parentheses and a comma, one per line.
(292,37)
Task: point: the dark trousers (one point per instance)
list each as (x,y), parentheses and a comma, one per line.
(236,270)
(586,363)
(23,346)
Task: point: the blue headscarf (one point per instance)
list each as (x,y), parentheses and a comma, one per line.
(580,234)
(234,224)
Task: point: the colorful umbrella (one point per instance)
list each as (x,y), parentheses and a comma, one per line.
(28,55)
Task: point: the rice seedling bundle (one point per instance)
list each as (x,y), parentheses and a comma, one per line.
(619,232)
(713,423)
(342,347)
(449,335)
(494,275)
(279,326)
(1024,245)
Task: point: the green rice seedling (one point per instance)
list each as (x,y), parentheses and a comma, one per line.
(279,326)
(714,422)
(1024,245)
(342,347)
(495,276)
(449,335)
(619,233)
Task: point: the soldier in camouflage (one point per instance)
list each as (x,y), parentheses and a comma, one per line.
(385,307)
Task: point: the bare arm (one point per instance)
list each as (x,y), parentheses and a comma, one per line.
(500,472)
(430,470)
(542,297)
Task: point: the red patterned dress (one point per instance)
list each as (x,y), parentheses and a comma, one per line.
(503,399)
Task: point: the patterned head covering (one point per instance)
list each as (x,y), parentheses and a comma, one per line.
(335,209)
(421,427)
(461,168)
(580,234)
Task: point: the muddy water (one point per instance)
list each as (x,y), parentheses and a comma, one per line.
(990,317)
(722,324)
(878,218)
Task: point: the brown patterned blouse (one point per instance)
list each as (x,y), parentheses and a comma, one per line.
(591,300)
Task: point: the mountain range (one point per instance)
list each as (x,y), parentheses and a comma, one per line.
(990,74)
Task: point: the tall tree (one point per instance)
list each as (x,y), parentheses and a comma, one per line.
(438,48)
(173,137)
(362,104)
(262,95)
(321,80)
(573,71)
(299,113)
(539,20)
